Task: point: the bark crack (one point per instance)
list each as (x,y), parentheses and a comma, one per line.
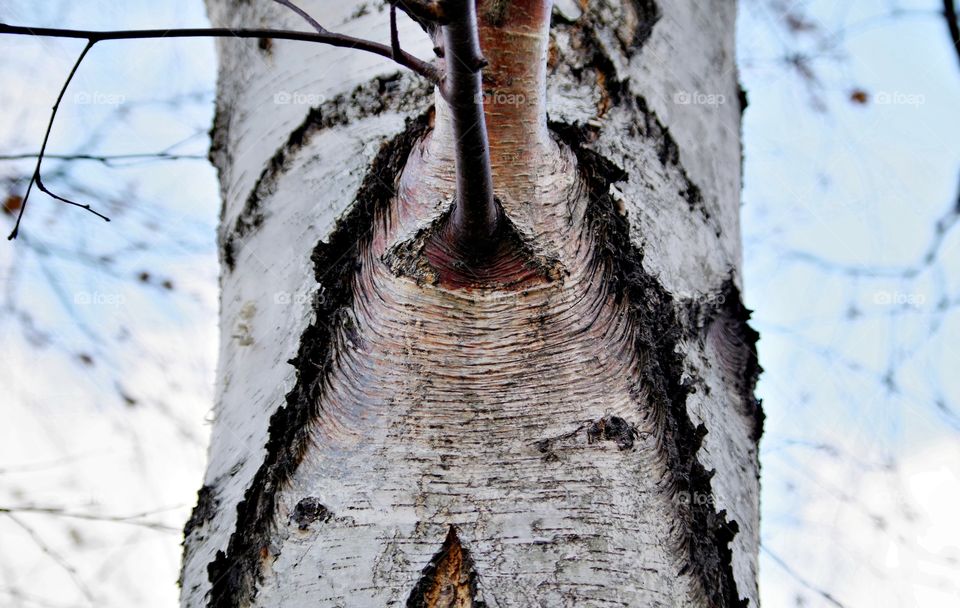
(449,580)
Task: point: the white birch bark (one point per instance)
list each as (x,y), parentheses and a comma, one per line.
(527,442)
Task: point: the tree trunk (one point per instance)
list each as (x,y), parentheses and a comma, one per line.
(569,421)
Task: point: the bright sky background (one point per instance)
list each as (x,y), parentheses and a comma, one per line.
(861,466)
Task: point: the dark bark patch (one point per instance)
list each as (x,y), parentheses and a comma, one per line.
(613,428)
(233,574)
(742,98)
(647,15)
(615,92)
(494,12)
(203,511)
(308,511)
(658,332)
(449,580)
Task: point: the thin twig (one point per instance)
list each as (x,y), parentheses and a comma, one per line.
(427,70)
(397,55)
(44,189)
(132,520)
(804,582)
(942,228)
(475,212)
(306,16)
(106,159)
(35,178)
(52,554)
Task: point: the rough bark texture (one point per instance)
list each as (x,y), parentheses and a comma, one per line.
(570,422)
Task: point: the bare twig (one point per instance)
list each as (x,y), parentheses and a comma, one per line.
(804,582)
(92,37)
(46,138)
(423,68)
(394,32)
(306,16)
(109,160)
(44,189)
(942,227)
(397,55)
(132,520)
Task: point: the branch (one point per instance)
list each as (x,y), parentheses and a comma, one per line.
(35,178)
(132,520)
(419,66)
(92,37)
(392,52)
(107,159)
(475,214)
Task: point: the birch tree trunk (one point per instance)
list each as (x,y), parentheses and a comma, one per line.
(569,423)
